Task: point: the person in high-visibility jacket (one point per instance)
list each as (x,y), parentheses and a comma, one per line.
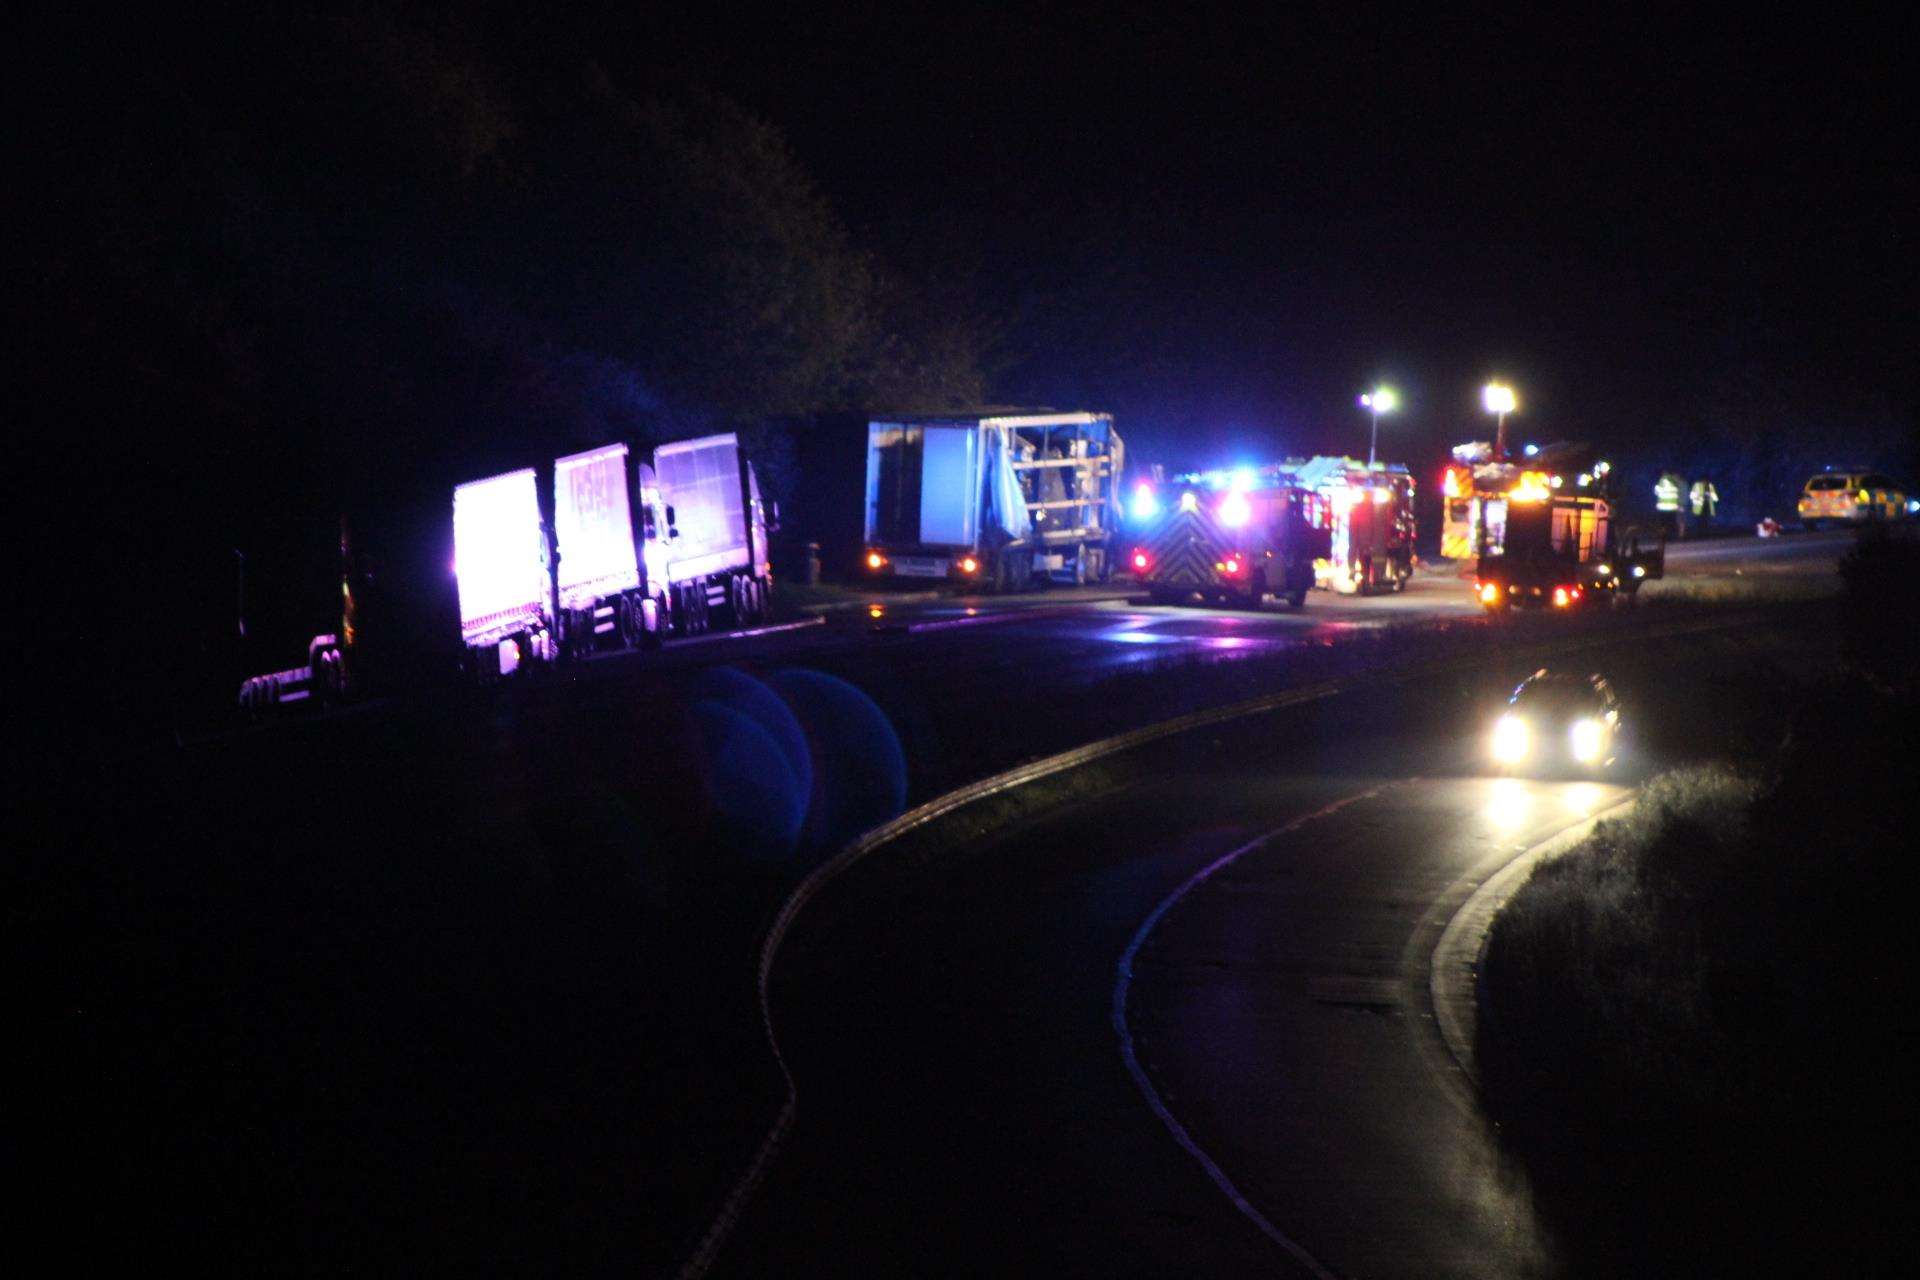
(1704,498)
(1667,492)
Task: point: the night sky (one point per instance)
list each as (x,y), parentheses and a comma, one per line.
(1616,211)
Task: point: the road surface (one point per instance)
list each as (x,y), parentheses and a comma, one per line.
(1083,634)
(1178,1028)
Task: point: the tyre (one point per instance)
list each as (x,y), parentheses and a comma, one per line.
(1080,565)
(1297,597)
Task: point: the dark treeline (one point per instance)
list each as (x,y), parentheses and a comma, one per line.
(304,262)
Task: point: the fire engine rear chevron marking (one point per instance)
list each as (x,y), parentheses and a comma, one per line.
(1185,549)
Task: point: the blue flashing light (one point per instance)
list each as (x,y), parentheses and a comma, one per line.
(1145,505)
(1243,478)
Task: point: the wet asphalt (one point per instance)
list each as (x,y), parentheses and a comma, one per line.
(967,1104)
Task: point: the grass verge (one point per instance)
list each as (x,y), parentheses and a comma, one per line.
(1694,1035)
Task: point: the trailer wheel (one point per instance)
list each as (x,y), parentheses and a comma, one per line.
(1080,564)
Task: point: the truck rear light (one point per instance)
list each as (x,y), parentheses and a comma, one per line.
(1489,592)
(969,565)
(875,560)
(1561,598)
(1230,566)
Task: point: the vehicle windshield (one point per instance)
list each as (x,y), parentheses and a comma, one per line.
(1556,697)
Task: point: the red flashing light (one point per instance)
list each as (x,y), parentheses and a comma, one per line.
(1140,561)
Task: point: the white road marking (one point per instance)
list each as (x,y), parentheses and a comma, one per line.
(1128,1055)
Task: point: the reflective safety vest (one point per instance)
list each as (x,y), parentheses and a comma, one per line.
(1704,497)
(1666,492)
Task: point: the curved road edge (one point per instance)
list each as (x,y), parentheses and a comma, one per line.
(714,1239)
(1454,974)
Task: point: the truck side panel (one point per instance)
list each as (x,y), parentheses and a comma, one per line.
(500,559)
(593,525)
(700,480)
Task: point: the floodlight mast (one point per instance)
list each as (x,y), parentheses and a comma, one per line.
(1378,401)
(1499,400)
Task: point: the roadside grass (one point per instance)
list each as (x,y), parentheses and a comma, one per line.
(1696,1037)
(1738,589)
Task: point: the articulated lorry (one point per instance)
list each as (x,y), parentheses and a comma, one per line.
(1548,533)
(1235,537)
(996,501)
(607,552)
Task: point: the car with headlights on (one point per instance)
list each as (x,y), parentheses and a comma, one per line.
(1558,721)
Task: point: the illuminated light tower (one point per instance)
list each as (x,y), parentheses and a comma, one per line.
(1378,401)
(1499,399)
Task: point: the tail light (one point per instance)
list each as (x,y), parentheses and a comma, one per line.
(1230,566)
(969,565)
(876,561)
(1489,593)
(1141,561)
(1561,598)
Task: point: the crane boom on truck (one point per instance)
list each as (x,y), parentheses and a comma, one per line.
(1232,536)
(996,500)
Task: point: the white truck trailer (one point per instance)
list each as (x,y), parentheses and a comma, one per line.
(995,501)
(502,564)
(626,552)
(715,559)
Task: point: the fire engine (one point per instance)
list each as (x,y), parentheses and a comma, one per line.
(1233,536)
(1546,532)
(1369,522)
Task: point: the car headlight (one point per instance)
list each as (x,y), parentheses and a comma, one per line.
(1587,737)
(1511,739)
